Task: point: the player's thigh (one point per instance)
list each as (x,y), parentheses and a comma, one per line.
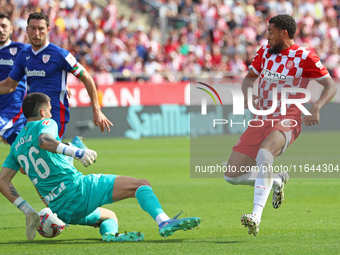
(274,143)
(125,187)
(239,164)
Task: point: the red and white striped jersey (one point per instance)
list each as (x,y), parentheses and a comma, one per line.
(292,67)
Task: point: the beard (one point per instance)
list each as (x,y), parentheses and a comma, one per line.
(276,49)
(3,41)
(38,43)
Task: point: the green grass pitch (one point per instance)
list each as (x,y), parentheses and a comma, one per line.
(307,222)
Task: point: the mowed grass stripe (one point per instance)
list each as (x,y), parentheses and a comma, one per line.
(307,222)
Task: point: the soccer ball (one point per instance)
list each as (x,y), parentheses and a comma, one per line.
(51,226)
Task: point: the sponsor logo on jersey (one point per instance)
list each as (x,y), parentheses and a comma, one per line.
(273,76)
(34,73)
(13,51)
(318,64)
(289,64)
(27,58)
(46,122)
(46,58)
(6,62)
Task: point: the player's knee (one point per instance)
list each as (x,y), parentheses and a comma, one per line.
(232,171)
(3,140)
(231,180)
(264,156)
(108,215)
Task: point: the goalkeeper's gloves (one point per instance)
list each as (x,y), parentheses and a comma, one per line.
(85,156)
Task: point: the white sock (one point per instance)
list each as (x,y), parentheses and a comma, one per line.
(161,218)
(244,179)
(263,182)
(258,209)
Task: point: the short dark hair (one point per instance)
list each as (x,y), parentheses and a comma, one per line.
(284,22)
(5,16)
(32,104)
(38,15)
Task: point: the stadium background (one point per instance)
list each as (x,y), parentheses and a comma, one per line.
(146,52)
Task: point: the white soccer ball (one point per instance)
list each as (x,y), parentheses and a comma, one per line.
(51,225)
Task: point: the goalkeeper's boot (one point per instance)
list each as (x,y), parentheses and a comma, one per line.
(32,223)
(167,228)
(250,221)
(127,237)
(77,141)
(278,193)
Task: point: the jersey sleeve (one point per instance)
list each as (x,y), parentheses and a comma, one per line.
(257,60)
(49,126)
(313,68)
(68,60)
(18,70)
(11,162)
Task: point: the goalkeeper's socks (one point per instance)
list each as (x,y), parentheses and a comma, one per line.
(263,182)
(149,203)
(108,226)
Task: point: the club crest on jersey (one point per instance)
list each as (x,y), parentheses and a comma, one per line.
(46,58)
(13,51)
(290,64)
(318,64)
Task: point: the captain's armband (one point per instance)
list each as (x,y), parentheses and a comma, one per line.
(78,70)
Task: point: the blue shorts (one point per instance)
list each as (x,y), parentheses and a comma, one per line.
(61,128)
(11,126)
(91,192)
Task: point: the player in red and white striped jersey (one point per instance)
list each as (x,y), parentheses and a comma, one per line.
(280,65)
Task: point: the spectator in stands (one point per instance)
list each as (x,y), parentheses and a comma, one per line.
(83,27)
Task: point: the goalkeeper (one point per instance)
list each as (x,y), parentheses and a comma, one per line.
(74,197)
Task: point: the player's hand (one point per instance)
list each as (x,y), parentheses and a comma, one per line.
(99,119)
(68,91)
(86,157)
(311,120)
(255,97)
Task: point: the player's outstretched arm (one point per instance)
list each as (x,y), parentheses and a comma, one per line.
(248,82)
(47,142)
(8,190)
(6,186)
(327,94)
(8,85)
(99,119)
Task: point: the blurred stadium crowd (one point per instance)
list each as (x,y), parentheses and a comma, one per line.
(201,38)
